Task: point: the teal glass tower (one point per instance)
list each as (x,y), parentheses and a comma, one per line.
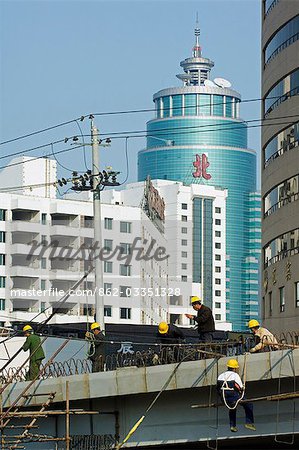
(197,136)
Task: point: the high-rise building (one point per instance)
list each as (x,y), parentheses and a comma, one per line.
(280,163)
(197,136)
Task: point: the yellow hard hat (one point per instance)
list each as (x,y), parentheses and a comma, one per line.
(233,364)
(195,299)
(163,328)
(253,323)
(27,328)
(95,325)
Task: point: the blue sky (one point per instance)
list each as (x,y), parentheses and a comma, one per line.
(63,59)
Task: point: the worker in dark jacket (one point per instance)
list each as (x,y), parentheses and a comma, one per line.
(33,344)
(170,334)
(204,319)
(96,352)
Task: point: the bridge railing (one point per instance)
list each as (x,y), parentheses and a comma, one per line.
(115,355)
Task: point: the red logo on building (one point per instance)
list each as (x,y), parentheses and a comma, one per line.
(201,164)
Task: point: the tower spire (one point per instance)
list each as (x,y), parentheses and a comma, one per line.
(197,48)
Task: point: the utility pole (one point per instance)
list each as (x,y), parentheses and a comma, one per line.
(99,299)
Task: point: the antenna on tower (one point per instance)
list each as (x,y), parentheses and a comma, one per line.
(197,48)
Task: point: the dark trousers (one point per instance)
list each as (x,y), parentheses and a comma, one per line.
(231,400)
(205,336)
(98,364)
(34,368)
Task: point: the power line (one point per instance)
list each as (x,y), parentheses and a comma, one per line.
(40,157)
(174,131)
(225,126)
(132,111)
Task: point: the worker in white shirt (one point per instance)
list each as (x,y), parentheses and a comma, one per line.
(231,391)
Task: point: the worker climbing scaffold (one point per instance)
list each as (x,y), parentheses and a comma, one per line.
(231,390)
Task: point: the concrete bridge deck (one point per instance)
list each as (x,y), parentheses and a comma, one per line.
(172,421)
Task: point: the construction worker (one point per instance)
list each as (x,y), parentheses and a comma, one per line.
(204,319)
(96,352)
(33,344)
(170,334)
(265,341)
(231,390)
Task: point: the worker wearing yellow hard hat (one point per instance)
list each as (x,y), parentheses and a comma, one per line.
(264,339)
(96,351)
(204,319)
(231,390)
(33,344)
(169,334)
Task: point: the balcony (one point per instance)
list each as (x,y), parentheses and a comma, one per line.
(25,226)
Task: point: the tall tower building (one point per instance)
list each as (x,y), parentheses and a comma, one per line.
(280,163)
(197,136)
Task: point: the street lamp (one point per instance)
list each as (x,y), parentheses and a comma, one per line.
(168,142)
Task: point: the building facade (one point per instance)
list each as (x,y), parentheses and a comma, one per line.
(198,136)
(280,164)
(194,227)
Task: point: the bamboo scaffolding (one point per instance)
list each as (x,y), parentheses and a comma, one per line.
(50,413)
(276,397)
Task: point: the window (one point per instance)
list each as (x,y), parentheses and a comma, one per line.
(108,243)
(184,230)
(2,259)
(43,239)
(217,281)
(184,206)
(184,218)
(44,218)
(217,245)
(218,316)
(108,266)
(125,248)
(108,311)
(284,37)
(125,291)
(2,282)
(125,313)
(184,242)
(43,263)
(125,227)
(2,214)
(218,233)
(217,210)
(217,269)
(184,254)
(218,257)
(125,270)
(2,236)
(297,294)
(43,285)
(184,278)
(42,307)
(217,222)
(281,299)
(217,305)
(2,304)
(107,288)
(108,221)
(184,266)
(282,91)
(218,293)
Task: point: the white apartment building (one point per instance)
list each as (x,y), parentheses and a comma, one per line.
(45,248)
(195,229)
